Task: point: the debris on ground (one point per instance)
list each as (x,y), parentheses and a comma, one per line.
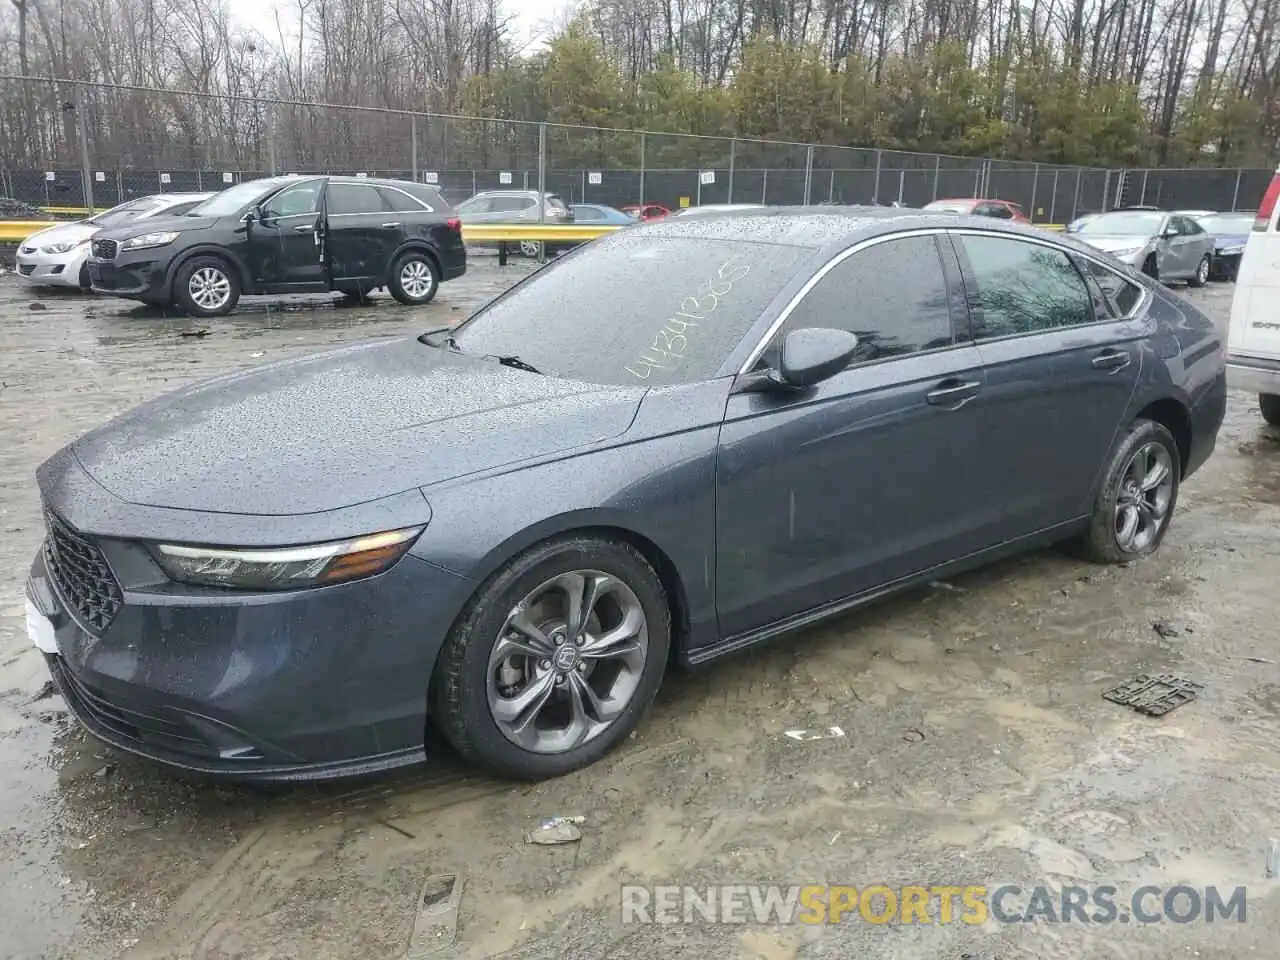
(556,830)
(1154,696)
(260,353)
(37,306)
(913,735)
(831,733)
(436,925)
(1259,660)
(103,772)
(202,332)
(1273,859)
(1165,630)
(45,692)
(943,585)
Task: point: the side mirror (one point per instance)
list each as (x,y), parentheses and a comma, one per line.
(814,354)
(251,215)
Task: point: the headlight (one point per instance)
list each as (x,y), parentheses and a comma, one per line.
(149,240)
(288,567)
(1228,251)
(62,247)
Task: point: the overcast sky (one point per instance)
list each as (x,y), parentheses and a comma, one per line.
(532,18)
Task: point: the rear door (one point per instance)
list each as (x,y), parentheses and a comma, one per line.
(1255,307)
(362,233)
(1060,372)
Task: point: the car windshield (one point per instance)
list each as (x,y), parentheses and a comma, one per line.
(126,212)
(635,309)
(234,199)
(1129,223)
(1227,223)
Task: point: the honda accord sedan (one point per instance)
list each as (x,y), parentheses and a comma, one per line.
(511,529)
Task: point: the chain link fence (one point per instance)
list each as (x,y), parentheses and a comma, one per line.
(78,145)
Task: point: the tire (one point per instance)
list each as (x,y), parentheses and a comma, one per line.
(414,278)
(531,249)
(1201,276)
(1151,268)
(1104,541)
(1269,405)
(83,279)
(206,287)
(467,685)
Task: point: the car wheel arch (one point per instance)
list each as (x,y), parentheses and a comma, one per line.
(246,283)
(420,246)
(1174,415)
(588,524)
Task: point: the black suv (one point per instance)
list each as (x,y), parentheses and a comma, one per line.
(294,234)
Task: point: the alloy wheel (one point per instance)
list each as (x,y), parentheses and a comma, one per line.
(416,279)
(210,288)
(1202,271)
(567,661)
(1142,502)
(530,248)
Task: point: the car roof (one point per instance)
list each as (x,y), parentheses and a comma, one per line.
(823,226)
(384,182)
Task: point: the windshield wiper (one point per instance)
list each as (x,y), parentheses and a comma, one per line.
(516,363)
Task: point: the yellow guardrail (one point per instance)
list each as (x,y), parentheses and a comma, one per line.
(12,231)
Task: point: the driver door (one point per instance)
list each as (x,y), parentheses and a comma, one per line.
(869,476)
(287,241)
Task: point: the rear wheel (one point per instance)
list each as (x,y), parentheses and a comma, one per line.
(1134,506)
(206,287)
(1269,405)
(556,660)
(1201,276)
(531,248)
(414,278)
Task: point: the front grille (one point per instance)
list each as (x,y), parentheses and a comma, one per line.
(82,575)
(92,706)
(26,269)
(105,249)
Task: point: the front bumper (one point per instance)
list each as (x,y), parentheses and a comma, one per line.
(137,275)
(1225,266)
(299,685)
(51,269)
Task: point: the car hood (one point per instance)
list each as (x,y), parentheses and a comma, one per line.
(61,233)
(344,427)
(158,224)
(1110,243)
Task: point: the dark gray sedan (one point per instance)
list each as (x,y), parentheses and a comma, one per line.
(513,528)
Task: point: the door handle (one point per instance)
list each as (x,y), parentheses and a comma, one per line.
(393,223)
(950,392)
(1112,360)
(305,228)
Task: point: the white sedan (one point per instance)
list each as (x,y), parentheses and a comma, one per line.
(56,255)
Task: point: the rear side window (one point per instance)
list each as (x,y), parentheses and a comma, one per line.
(352,198)
(1020,287)
(1122,295)
(555,203)
(587,213)
(507,204)
(892,296)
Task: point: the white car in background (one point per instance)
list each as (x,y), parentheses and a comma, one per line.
(56,255)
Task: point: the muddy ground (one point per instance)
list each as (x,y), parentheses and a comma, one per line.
(977,747)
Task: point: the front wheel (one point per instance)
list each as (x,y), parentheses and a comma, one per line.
(1269,405)
(1135,504)
(1201,276)
(414,278)
(206,287)
(531,248)
(556,660)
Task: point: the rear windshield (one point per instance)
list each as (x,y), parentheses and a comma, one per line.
(1127,223)
(126,212)
(1227,223)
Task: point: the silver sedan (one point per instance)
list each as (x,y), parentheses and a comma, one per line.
(1165,246)
(56,255)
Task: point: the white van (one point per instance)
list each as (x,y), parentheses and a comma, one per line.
(1253,339)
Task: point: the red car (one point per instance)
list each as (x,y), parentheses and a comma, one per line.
(650,211)
(1000,209)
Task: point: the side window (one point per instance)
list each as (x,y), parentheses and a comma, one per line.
(345,198)
(476,205)
(581,212)
(1022,287)
(1190,227)
(181,209)
(402,201)
(295,201)
(892,296)
(1123,295)
(997,210)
